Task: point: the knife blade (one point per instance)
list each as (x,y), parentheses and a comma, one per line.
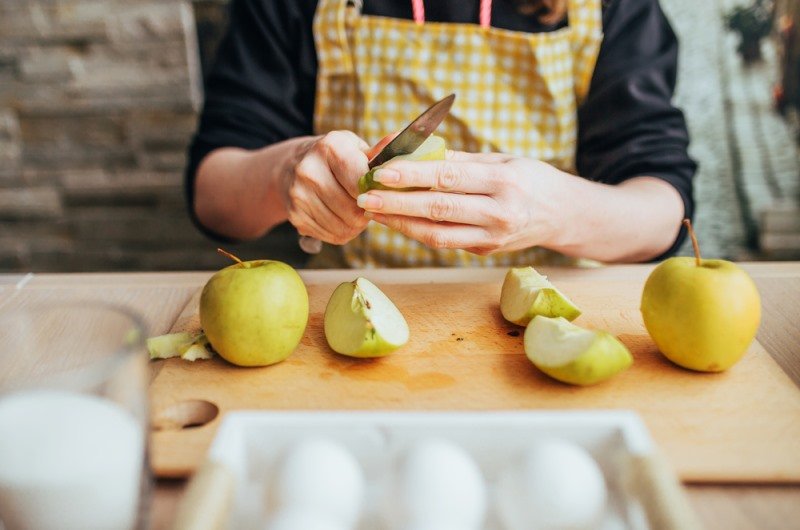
(404,143)
(415,133)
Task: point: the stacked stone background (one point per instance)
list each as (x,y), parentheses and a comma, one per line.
(98,101)
(99,98)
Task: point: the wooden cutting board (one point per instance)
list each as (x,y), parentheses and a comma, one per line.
(739,426)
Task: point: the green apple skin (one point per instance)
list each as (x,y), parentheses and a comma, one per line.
(702,318)
(348,301)
(254,313)
(609,357)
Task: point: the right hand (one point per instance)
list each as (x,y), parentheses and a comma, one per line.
(320,190)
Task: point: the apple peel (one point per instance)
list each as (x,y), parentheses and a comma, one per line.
(187,346)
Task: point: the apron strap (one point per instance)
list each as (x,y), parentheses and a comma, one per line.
(418,7)
(330,35)
(485,15)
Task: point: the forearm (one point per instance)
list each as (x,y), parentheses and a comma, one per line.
(634,221)
(238,193)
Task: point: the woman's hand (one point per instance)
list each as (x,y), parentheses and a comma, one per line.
(319,190)
(483,203)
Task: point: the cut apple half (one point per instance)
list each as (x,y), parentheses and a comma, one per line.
(572,354)
(361,321)
(526,293)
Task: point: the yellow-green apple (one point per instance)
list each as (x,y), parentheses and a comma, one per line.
(702,313)
(572,354)
(254,313)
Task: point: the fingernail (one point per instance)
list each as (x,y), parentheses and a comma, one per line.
(369,202)
(387,176)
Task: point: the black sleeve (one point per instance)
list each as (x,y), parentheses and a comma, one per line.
(627,126)
(261,88)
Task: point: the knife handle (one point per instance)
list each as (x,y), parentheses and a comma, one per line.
(310,245)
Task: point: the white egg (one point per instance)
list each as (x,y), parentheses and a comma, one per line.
(320,477)
(438,485)
(293,519)
(556,486)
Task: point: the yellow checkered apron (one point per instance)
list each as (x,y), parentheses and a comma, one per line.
(517,93)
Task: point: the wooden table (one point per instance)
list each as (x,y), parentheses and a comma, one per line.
(159,298)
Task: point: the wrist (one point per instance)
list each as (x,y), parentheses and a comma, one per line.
(275,164)
(562,226)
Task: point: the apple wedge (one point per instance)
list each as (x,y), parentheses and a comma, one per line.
(361,321)
(572,354)
(526,293)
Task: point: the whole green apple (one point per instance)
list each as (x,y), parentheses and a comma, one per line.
(254,313)
(702,313)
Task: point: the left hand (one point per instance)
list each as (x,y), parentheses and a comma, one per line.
(482,202)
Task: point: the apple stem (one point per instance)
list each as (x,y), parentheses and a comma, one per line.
(229,255)
(688,224)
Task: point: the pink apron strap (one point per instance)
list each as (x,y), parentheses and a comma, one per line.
(485,16)
(418,7)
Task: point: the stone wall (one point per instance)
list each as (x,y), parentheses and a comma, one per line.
(98,100)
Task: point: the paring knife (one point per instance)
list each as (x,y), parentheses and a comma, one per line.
(404,143)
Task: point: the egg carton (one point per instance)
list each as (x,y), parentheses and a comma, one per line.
(231,489)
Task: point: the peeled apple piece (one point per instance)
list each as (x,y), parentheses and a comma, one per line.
(433,148)
(526,293)
(572,354)
(361,321)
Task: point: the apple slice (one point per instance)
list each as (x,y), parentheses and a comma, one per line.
(572,354)
(526,293)
(361,321)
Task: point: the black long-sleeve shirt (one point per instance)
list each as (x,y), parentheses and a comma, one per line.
(261,89)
